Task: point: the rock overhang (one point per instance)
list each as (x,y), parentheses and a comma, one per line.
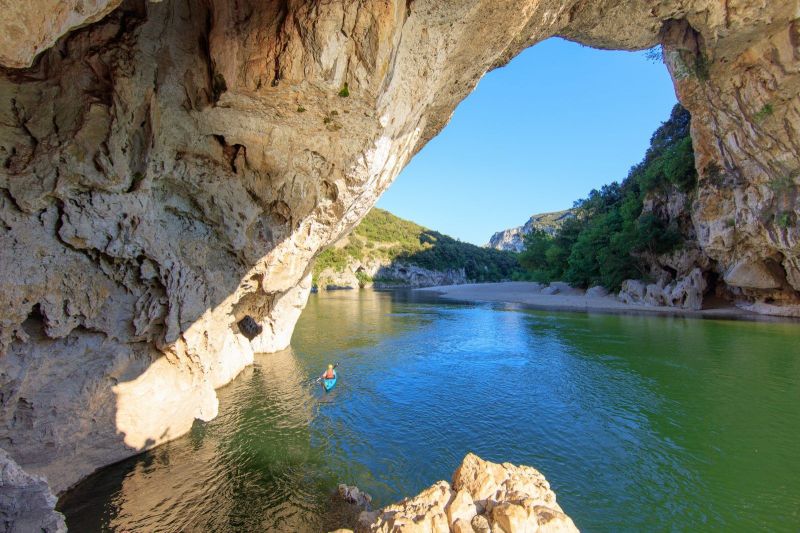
(171,168)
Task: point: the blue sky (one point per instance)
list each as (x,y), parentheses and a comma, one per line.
(535,135)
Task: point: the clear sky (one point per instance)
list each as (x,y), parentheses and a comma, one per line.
(535,135)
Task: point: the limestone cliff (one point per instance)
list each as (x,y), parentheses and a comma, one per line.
(513,239)
(382,274)
(168,169)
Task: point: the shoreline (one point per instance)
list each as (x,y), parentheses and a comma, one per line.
(528,294)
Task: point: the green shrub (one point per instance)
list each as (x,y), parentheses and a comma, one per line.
(345,92)
(782,184)
(714,175)
(764,112)
(334,258)
(363,278)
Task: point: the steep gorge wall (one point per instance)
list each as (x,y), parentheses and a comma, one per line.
(170,168)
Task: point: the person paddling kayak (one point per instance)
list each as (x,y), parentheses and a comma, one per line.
(329,378)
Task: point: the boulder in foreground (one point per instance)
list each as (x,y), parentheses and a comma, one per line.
(483,496)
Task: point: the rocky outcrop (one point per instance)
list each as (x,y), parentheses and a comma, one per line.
(386,273)
(26,503)
(167,169)
(753,275)
(686,292)
(559,287)
(353,496)
(400,274)
(483,497)
(25,32)
(745,121)
(513,239)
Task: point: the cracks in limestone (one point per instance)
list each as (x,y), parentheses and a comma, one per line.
(409,4)
(149,310)
(231,152)
(215,81)
(21,155)
(283,15)
(751,154)
(10,198)
(790,135)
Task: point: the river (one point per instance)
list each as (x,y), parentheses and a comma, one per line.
(640,423)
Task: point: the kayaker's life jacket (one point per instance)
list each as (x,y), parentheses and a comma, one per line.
(329,374)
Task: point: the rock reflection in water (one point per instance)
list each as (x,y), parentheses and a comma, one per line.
(255,462)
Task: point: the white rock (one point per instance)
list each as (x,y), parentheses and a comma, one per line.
(598,291)
(752,275)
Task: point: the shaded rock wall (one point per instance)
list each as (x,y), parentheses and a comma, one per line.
(26,503)
(174,167)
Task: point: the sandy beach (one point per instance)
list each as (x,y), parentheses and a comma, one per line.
(530,295)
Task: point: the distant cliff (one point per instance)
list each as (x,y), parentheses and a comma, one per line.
(512,239)
(389,251)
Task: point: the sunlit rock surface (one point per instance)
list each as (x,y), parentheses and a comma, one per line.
(513,239)
(483,496)
(173,167)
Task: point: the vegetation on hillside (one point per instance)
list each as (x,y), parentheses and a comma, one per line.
(605,242)
(381,235)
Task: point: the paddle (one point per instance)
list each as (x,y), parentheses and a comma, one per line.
(320,378)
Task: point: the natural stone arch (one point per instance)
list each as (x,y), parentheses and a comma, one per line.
(175,166)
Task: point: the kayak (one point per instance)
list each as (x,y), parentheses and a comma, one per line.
(328,384)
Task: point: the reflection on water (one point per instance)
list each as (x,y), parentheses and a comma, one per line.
(252,468)
(640,423)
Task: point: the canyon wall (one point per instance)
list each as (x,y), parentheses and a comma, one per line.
(168,169)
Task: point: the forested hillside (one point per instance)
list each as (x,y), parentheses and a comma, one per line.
(612,236)
(383,237)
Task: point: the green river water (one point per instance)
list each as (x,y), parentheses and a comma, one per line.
(640,423)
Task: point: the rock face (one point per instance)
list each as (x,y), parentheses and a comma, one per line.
(26,503)
(686,292)
(354,496)
(484,496)
(513,239)
(170,168)
(385,274)
(416,276)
